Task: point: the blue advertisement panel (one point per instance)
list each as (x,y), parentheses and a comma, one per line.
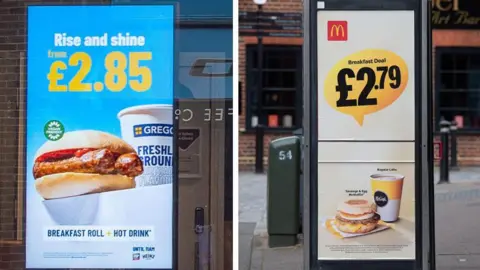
(99,136)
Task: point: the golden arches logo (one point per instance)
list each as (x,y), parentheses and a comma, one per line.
(337,29)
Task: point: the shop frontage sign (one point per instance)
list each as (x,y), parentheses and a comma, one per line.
(455,14)
(99,137)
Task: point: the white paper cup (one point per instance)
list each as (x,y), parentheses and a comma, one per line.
(149,130)
(78,210)
(387,194)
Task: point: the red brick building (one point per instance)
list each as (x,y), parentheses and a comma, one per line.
(281,80)
(456,67)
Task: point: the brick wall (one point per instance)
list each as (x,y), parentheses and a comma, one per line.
(247,141)
(12,43)
(12,46)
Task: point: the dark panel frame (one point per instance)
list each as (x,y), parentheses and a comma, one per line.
(314,263)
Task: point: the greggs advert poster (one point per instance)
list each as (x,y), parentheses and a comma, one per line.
(366,146)
(99,136)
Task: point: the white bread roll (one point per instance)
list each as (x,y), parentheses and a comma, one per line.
(63,185)
(355,207)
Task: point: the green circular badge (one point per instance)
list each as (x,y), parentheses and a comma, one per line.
(54,130)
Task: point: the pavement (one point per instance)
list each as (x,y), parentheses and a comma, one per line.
(457,219)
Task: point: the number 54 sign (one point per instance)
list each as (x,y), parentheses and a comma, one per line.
(365,82)
(285,155)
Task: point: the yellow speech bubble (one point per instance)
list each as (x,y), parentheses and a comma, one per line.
(365,82)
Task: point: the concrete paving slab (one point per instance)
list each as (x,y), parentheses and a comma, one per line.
(245,244)
(257,259)
(283,258)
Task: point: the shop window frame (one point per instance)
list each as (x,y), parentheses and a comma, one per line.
(438,89)
(251,88)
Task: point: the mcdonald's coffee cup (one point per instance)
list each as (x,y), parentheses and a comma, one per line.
(149,130)
(387,195)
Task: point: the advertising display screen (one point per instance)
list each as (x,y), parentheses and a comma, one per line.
(99,136)
(366,135)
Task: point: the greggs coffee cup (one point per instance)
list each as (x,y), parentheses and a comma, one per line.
(387,194)
(149,129)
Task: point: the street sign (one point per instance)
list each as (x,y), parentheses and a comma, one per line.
(275,24)
(271,17)
(271,34)
(282,15)
(437,150)
(369,199)
(253,26)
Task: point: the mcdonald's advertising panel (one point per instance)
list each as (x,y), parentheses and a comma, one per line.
(99,137)
(366,135)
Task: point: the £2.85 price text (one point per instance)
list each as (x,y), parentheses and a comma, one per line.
(120,70)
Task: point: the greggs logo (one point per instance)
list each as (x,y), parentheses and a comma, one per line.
(337,30)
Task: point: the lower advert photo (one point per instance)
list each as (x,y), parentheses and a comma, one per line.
(369,213)
(366,201)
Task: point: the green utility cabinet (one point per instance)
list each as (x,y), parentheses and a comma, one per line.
(283,191)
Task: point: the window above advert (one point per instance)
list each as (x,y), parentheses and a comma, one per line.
(192,9)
